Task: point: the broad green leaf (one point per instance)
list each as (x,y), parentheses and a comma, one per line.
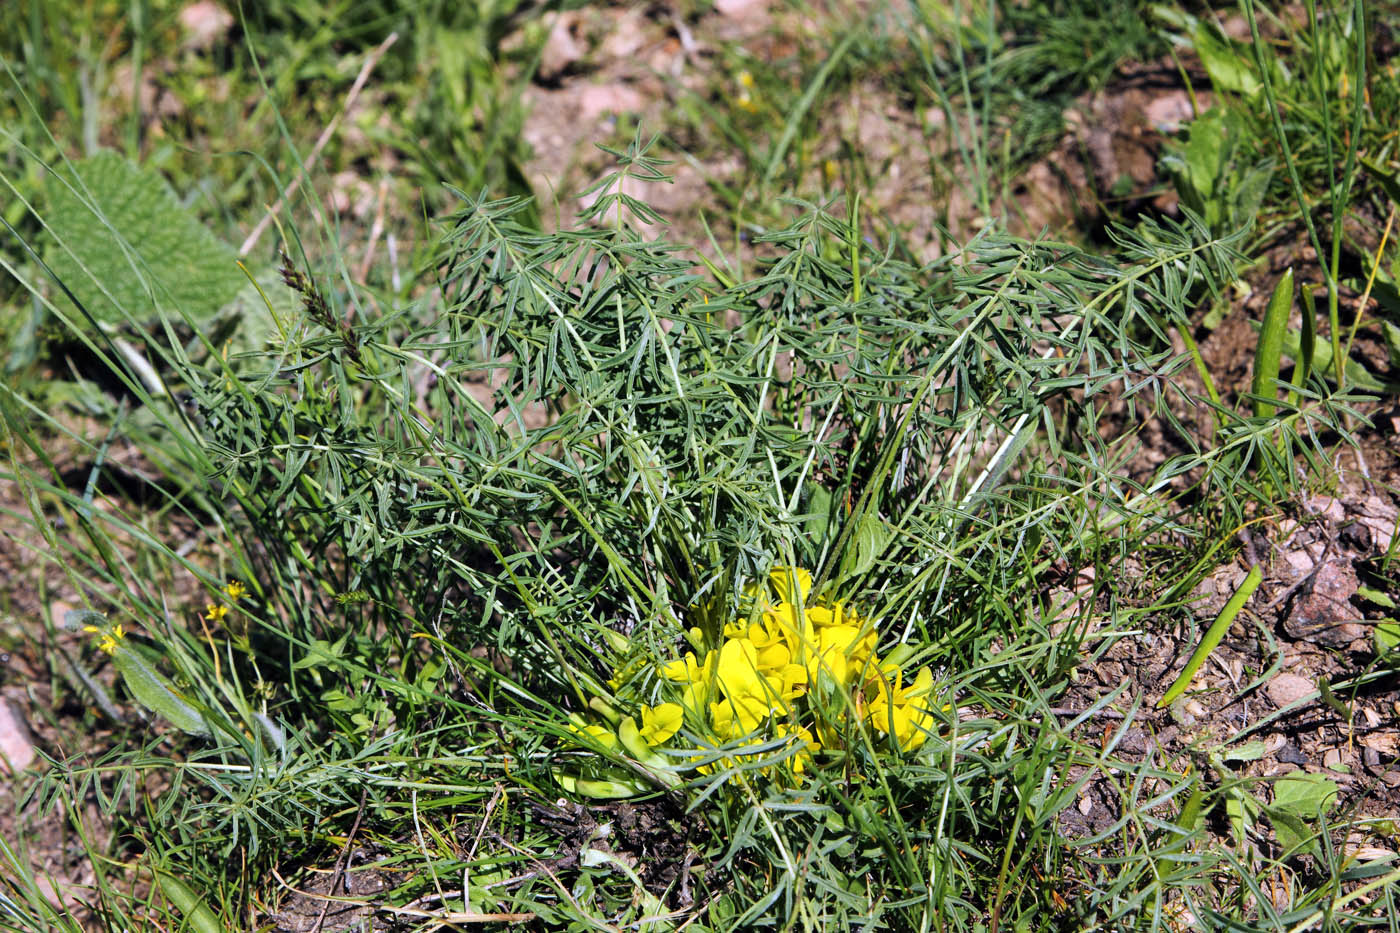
(1392,341)
(1305,794)
(1379,597)
(1250,751)
(75,619)
(121,243)
(1230,68)
(198,917)
(155,693)
(1358,376)
(1242,810)
(865,546)
(1387,637)
(1270,347)
(1289,829)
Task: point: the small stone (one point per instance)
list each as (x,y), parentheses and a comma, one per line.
(16,745)
(205,23)
(1321,612)
(1287,688)
(562,49)
(742,9)
(1370,758)
(1328,507)
(1134,742)
(1364,853)
(1288,753)
(1379,517)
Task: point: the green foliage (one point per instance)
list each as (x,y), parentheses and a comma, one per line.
(121,244)
(477,508)
(1211,639)
(1213,176)
(1267,354)
(1004,74)
(567,439)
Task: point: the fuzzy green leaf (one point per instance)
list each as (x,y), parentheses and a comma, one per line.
(122,244)
(155,693)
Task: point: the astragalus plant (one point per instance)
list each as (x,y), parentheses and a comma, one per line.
(486,542)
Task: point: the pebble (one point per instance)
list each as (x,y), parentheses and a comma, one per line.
(1289,688)
(1291,754)
(16,746)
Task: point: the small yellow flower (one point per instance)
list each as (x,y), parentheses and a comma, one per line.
(597,735)
(744,99)
(659,723)
(903,713)
(109,639)
(215,613)
(793,584)
(235,590)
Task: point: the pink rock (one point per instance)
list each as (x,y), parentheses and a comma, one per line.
(205,23)
(16,746)
(1289,688)
(742,9)
(597,100)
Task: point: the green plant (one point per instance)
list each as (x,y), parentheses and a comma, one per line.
(476,518)
(361,484)
(1214,178)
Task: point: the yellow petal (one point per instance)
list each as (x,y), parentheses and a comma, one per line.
(774,657)
(923,684)
(659,723)
(598,734)
(738,670)
(792,584)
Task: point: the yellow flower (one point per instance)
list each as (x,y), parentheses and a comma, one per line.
(842,651)
(744,99)
(235,590)
(659,723)
(597,735)
(215,613)
(696,677)
(109,639)
(737,674)
(792,584)
(736,716)
(823,616)
(903,713)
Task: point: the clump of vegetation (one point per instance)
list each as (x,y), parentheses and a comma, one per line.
(579,577)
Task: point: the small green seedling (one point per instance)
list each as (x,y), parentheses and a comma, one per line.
(1270,347)
(1213,636)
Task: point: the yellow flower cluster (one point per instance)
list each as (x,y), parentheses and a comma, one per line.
(108,639)
(757,682)
(235,591)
